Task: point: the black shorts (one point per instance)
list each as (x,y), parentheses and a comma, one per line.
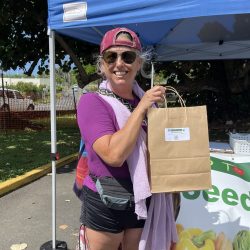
(97,216)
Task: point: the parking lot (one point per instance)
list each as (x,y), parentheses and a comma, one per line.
(26,214)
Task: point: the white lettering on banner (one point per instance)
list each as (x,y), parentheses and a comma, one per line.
(75,12)
(177,134)
(224,208)
(229,197)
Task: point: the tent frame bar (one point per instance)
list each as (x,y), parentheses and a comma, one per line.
(53,129)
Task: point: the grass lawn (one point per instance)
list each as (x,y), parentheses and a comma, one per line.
(21,151)
(24,150)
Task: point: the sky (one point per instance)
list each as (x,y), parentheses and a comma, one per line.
(20,71)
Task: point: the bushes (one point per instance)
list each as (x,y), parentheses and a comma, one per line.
(29,89)
(36,92)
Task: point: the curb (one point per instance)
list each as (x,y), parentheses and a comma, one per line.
(19,181)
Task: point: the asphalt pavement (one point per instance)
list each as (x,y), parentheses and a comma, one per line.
(26,213)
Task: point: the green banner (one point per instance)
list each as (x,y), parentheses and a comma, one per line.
(241,170)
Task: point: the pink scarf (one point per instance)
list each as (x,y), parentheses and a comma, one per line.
(159,230)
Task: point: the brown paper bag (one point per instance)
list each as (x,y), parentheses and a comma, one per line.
(178,146)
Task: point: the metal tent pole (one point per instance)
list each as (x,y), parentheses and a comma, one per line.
(152,74)
(53,131)
(54,244)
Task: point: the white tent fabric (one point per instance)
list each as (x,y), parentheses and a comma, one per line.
(176,29)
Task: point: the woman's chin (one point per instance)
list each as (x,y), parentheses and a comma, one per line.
(120,82)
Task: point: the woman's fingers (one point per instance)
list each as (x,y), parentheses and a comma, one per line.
(156,93)
(153,95)
(158,90)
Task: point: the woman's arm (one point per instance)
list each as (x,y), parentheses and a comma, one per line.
(114,149)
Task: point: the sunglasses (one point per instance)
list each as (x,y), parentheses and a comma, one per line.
(128,57)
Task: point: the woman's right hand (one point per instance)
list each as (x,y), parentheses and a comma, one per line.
(153,95)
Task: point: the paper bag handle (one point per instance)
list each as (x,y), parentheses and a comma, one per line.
(176,92)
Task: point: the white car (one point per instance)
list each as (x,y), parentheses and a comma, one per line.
(12,100)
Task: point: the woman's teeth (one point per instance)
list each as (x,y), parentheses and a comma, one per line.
(120,73)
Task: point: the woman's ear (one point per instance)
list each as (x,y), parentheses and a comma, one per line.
(139,64)
(101,67)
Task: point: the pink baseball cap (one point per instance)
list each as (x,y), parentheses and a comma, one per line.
(110,39)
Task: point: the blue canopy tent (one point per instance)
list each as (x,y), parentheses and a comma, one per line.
(179,29)
(175,29)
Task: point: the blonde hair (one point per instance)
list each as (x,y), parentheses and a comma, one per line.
(124,34)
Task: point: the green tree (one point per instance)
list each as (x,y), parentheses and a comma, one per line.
(222,85)
(23,39)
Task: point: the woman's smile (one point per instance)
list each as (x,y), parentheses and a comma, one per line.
(120,74)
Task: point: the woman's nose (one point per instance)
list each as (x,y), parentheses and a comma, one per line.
(119,60)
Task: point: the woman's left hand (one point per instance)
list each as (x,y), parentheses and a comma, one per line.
(153,95)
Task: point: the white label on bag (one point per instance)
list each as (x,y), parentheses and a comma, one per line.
(177,134)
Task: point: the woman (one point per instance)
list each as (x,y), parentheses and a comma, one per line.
(110,144)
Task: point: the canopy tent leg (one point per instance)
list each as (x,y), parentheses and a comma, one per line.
(54,244)
(152,74)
